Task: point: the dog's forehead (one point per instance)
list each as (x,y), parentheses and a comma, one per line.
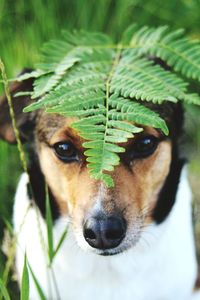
(48,124)
(52,128)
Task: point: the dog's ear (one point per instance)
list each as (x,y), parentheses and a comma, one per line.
(24,121)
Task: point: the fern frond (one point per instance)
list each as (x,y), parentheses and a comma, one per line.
(46,83)
(178,52)
(33,74)
(60,55)
(104,85)
(135,112)
(139,78)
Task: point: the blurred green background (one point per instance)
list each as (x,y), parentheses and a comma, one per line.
(26,25)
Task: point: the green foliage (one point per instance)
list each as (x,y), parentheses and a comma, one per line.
(172,47)
(88,76)
(4,291)
(60,242)
(25,282)
(49,222)
(41,294)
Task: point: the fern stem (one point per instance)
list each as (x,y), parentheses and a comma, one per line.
(110,75)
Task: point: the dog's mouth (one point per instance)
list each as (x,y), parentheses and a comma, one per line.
(111,252)
(127,243)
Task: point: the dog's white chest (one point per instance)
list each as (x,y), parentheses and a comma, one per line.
(161,267)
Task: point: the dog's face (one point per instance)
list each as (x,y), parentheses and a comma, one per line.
(138,181)
(105,220)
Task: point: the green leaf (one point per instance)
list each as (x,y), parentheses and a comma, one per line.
(125,126)
(23,94)
(45,83)
(49,222)
(173,47)
(25,282)
(62,238)
(128,34)
(135,112)
(98,144)
(139,78)
(4,291)
(28,75)
(37,285)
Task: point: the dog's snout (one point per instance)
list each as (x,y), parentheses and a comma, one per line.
(104,232)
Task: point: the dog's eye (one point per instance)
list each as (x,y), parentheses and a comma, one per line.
(144,147)
(66,151)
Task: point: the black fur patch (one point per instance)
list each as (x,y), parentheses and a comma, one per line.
(36,190)
(168,192)
(174,117)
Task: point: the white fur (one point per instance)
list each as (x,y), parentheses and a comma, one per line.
(162,266)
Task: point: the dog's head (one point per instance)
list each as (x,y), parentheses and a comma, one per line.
(104,220)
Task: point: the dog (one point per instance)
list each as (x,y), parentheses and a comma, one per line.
(133,241)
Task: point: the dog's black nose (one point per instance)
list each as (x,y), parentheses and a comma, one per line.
(103,232)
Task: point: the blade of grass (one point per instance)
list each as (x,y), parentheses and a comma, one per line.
(4,291)
(49,222)
(8,226)
(38,287)
(60,242)
(25,282)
